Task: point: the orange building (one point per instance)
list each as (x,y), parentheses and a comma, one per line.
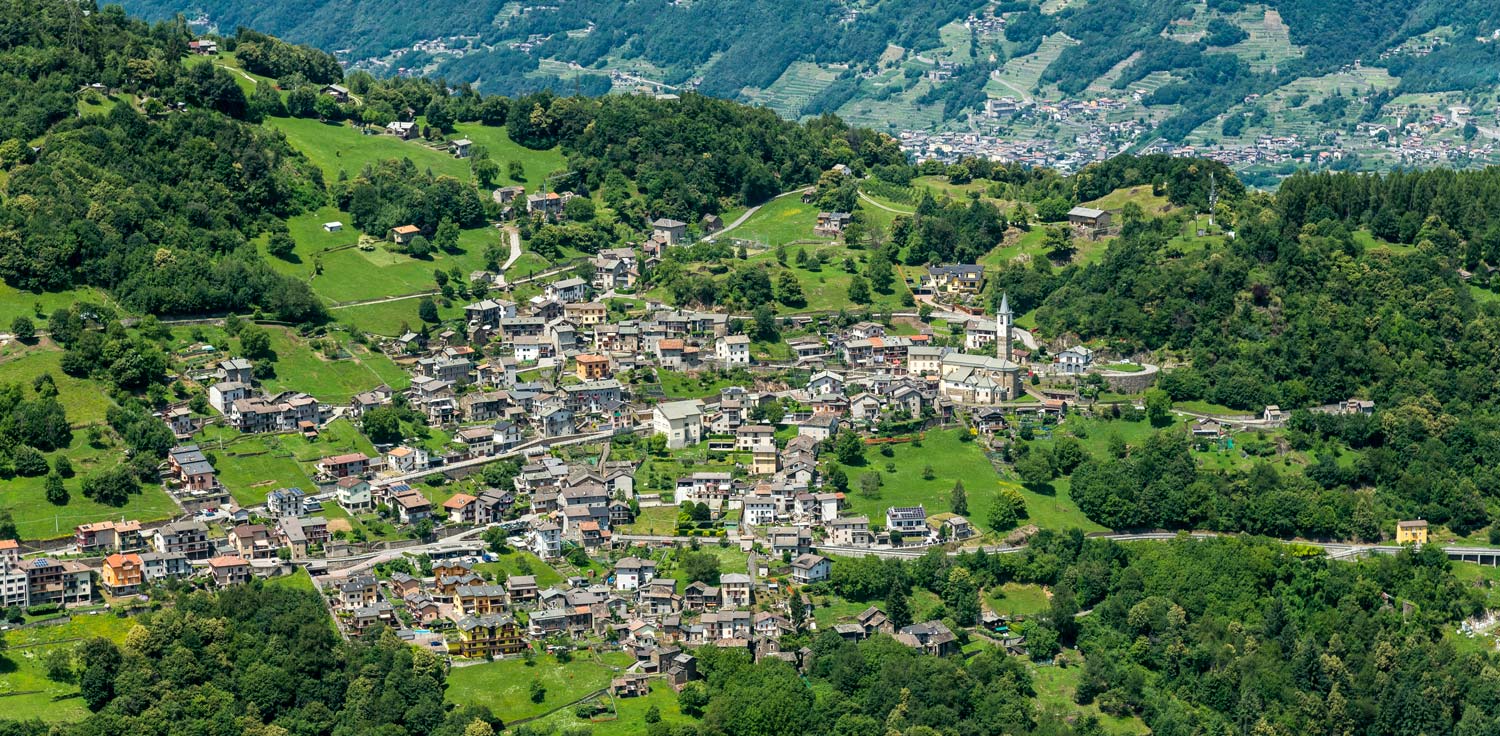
(592,367)
(122,574)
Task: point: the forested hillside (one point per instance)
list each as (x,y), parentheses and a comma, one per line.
(1191,60)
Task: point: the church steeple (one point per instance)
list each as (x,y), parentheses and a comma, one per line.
(1004,325)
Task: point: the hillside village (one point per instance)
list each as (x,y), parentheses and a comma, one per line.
(529,524)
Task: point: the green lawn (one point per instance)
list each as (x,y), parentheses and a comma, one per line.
(951,460)
(352,274)
(1204,407)
(16,303)
(1055,688)
(504,685)
(26,498)
(1153,204)
(24,688)
(84,400)
(827,289)
(1018,599)
(301,368)
(251,466)
(336,147)
(298,580)
(536,165)
(780,221)
(630,713)
(653,520)
(510,565)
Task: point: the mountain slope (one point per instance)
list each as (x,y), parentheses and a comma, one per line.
(1183,71)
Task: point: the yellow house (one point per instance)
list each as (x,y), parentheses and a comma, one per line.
(1413,532)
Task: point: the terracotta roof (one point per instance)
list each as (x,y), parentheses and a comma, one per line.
(227,561)
(458,501)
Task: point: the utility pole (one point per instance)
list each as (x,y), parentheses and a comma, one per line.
(1213,198)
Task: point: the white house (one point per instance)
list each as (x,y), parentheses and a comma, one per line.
(824,383)
(1075,360)
(353,494)
(680,421)
(333,227)
(906,519)
(733,350)
(810,568)
(546,541)
(405,459)
(633,572)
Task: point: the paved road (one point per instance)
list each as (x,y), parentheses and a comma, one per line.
(543,444)
(870,200)
(515,247)
(742,218)
(383,300)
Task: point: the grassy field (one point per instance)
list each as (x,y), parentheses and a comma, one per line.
(1055,688)
(536,165)
(1018,599)
(340,147)
(301,368)
(951,461)
(38,305)
(1153,204)
(781,221)
(504,685)
(827,289)
(24,688)
(336,147)
(653,520)
(352,274)
(511,565)
(84,400)
(630,713)
(251,466)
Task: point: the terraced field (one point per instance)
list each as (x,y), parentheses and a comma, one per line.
(798,84)
(1025,71)
(1270,42)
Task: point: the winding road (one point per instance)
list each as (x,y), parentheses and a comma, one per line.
(746,215)
(871,200)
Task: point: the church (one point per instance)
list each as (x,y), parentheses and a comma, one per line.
(980,379)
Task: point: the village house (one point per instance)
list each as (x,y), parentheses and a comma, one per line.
(253,541)
(932,637)
(809,568)
(568,290)
(411,507)
(343,466)
(681,422)
(962,278)
(1075,360)
(122,574)
(906,519)
(734,589)
(353,494)
(227,570)
(633,572)
(404,234)
(1411,532)
(487,636)
(1088,221)
(850,531)
(187,538)
(403,129)
(819,427)
(832,224)
(668,232)
(460,147)
(57,582)
(732,350)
